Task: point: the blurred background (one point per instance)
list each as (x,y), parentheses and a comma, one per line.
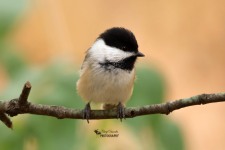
(44,41)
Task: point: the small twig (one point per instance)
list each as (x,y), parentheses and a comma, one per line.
(21,106)
(5,119)
(25,93)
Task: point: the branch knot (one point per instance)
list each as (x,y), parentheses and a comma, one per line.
(203,99)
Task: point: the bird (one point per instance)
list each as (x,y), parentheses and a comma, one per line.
(107,73)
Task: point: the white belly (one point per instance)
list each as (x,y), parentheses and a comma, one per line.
(108,87)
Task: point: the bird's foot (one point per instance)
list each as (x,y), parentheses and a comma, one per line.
(87,112)
(121,111)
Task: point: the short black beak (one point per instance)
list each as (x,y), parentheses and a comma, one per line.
(139,54)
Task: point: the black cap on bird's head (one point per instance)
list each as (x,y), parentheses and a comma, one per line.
(121,38)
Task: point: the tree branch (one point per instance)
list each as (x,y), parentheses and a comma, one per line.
(21,106)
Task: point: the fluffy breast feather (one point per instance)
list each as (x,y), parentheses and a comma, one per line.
(102,86)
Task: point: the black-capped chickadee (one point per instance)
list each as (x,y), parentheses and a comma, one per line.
(107,74)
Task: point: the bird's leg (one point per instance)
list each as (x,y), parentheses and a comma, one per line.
(87,112)
(120,111)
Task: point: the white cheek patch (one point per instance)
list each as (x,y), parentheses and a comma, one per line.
(101,51)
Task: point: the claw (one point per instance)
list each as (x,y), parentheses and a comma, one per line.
(87,112)
(121,111)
